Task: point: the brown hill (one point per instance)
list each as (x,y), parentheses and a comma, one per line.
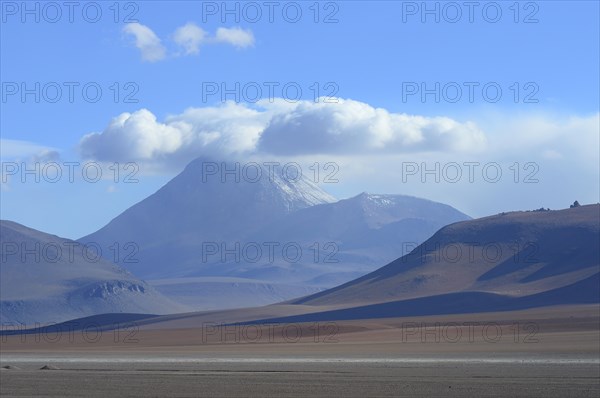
(513,254)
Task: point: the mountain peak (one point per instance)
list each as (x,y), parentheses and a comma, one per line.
(282,185)
(376,199)
(210,201)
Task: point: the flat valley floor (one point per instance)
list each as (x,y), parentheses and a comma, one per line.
(419,357)
(378,378)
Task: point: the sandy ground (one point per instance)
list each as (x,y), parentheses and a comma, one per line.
(305,379)
(544,352)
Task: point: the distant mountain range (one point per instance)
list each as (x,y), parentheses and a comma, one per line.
(45,279)
(510,261)
(215,238)
(171,225)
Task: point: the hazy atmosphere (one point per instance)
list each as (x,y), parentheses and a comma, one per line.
(373,88)
(383,198)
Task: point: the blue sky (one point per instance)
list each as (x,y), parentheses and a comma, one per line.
(368,56)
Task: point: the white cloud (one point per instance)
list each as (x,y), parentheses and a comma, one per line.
(569,138)
(20,150)
(189,36)
(348,127)
(146,41)
(134,136)
(353,127)
(237,37)
(24,155)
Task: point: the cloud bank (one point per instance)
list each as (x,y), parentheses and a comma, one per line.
(352,127)
(347,127)
(18,150)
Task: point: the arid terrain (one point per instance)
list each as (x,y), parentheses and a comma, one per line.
(423,325)
(549,352)
(300,199)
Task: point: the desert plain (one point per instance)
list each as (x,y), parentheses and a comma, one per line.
(542,352)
